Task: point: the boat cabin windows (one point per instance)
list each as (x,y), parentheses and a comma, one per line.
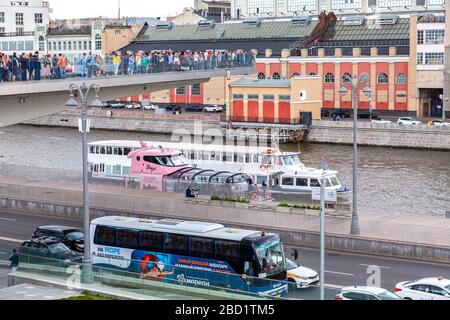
(288,181)
(314,183)
(301,182)
(167,161)
(292,160)
(334,182)
(117,151)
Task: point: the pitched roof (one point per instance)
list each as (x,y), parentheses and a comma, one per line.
(369,30)
(229,31)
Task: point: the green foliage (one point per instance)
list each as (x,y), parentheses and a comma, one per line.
(237,199)
(298,206)
(86,295)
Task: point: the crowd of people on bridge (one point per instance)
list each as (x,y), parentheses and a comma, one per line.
(35,66)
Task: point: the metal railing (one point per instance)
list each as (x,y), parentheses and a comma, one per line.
(163,280)
(267,120)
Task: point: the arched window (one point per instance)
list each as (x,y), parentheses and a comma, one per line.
(383,78)
(41,43)
(295,74)
(401,78)
(276,76)
(329,78)
(346,78)
(261,76)
(98,42)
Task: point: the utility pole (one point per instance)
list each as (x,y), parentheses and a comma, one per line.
(322,230)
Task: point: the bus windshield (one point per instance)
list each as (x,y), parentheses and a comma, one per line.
(271,257)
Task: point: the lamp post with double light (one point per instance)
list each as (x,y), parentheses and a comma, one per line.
(356,82)
(83,91)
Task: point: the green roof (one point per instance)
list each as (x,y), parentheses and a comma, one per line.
(230,31)
(369,30)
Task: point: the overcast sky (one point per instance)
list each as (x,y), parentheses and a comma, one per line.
(64,9)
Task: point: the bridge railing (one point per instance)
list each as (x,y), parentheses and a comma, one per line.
(80,67)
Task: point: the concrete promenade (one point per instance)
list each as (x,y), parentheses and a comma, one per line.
(418,237)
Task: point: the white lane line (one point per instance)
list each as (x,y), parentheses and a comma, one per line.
(333,286)
(341,273)
(369,265)
(2,252)
(7,219)
(10,240)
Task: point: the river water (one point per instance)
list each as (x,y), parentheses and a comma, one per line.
(390,180)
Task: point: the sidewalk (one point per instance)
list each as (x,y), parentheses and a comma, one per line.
(398,228)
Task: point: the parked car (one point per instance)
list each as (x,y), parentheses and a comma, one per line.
(194,108)
(438,123)
(137,105)
(324,113)
(150,106)
(129,106)
(364,115)
(71,237)
(106,105)
(117,105)
(437,288)
(408,121)
(177,110)
(171,107)
(215,108)
(301,277)
(47,251)
(365,293)
(341,114)
(381,121)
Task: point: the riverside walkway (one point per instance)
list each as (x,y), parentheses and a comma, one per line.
(409,236)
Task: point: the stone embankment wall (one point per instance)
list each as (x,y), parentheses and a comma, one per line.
(383,135)
(386,135)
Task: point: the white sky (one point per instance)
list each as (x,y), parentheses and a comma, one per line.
(66,9)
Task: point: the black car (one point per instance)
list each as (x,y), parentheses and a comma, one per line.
(194,108)
(71,237)
(172,107)
(341,114)
(324,113)
(47,251)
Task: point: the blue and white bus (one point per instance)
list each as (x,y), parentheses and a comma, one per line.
(191,253)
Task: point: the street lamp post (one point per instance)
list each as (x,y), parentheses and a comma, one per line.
(364,77)
(83,92)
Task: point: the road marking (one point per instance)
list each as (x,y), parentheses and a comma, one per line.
(333,286)
(10,240)
(341,273)
(369,265)
(7,219)
(2,252)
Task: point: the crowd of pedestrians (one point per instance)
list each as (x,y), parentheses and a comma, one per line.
(34,67)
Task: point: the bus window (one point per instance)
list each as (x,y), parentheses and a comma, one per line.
(176,244)
(152,241)
(202,248)
(227,250)
(127,239)
(105,236)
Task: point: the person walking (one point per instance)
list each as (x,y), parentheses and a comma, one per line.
(14,261)
(116,63)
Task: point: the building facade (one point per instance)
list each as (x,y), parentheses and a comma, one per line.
(20,24)
(242,9)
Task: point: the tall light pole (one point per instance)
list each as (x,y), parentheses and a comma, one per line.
(363,78)
(322,231)
(83,92)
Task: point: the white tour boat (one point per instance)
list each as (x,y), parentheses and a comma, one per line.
(281,171)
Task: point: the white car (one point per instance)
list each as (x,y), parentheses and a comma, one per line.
(424,289)
(366,293)
(117,105)
(129,106)
(438,123)
(150,106)
(301,277)
(381,121)
(213,109)
(409,121)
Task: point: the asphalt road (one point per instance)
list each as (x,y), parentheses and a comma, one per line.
(341,269)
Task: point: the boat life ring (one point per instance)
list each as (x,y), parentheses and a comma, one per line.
(109,113)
